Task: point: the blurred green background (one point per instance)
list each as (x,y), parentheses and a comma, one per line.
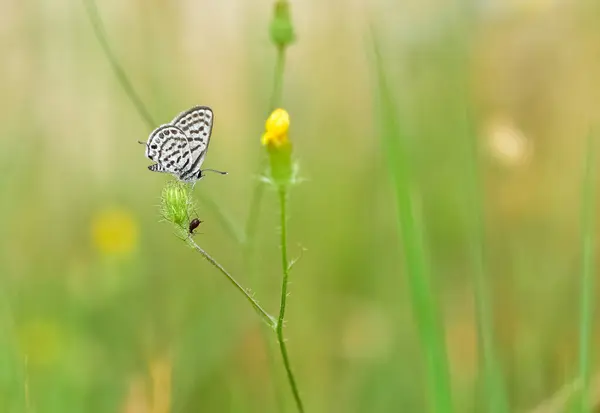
(103,309)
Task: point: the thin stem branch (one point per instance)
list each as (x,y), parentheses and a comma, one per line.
(100,33)
(254,213)
(284,294)
(269,319)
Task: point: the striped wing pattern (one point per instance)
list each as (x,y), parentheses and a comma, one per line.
(180,147)
(196,123)
(169,148)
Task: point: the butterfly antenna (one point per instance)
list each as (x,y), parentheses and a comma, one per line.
(142,143)
(214,170)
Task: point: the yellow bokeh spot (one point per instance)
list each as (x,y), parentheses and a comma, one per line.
(114,231)
(41,342)
(276,128)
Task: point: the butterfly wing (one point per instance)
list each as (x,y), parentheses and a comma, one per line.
(196,123)
(169,147)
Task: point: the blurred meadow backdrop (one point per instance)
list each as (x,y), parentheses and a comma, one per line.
(446,212)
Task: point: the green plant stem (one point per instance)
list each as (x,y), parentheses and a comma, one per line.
(254,214)
(273,366)
(269,319)
(278,78)
(284,295)
(424,305)
(587,275)
(489,365)
(250,265)
(485,334)
(257,194)
(100,33)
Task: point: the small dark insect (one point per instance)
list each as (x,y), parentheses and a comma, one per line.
(194,223)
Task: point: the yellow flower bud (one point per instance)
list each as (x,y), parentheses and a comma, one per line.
(276,128)
(279,147)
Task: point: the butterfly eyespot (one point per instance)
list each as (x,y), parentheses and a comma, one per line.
(167,133)
(183,122)
(153,146)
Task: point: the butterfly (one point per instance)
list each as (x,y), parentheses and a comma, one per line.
(179,147)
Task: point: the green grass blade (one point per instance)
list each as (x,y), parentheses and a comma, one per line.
(490,371)
(489,364)
(423,301)
(587,274)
